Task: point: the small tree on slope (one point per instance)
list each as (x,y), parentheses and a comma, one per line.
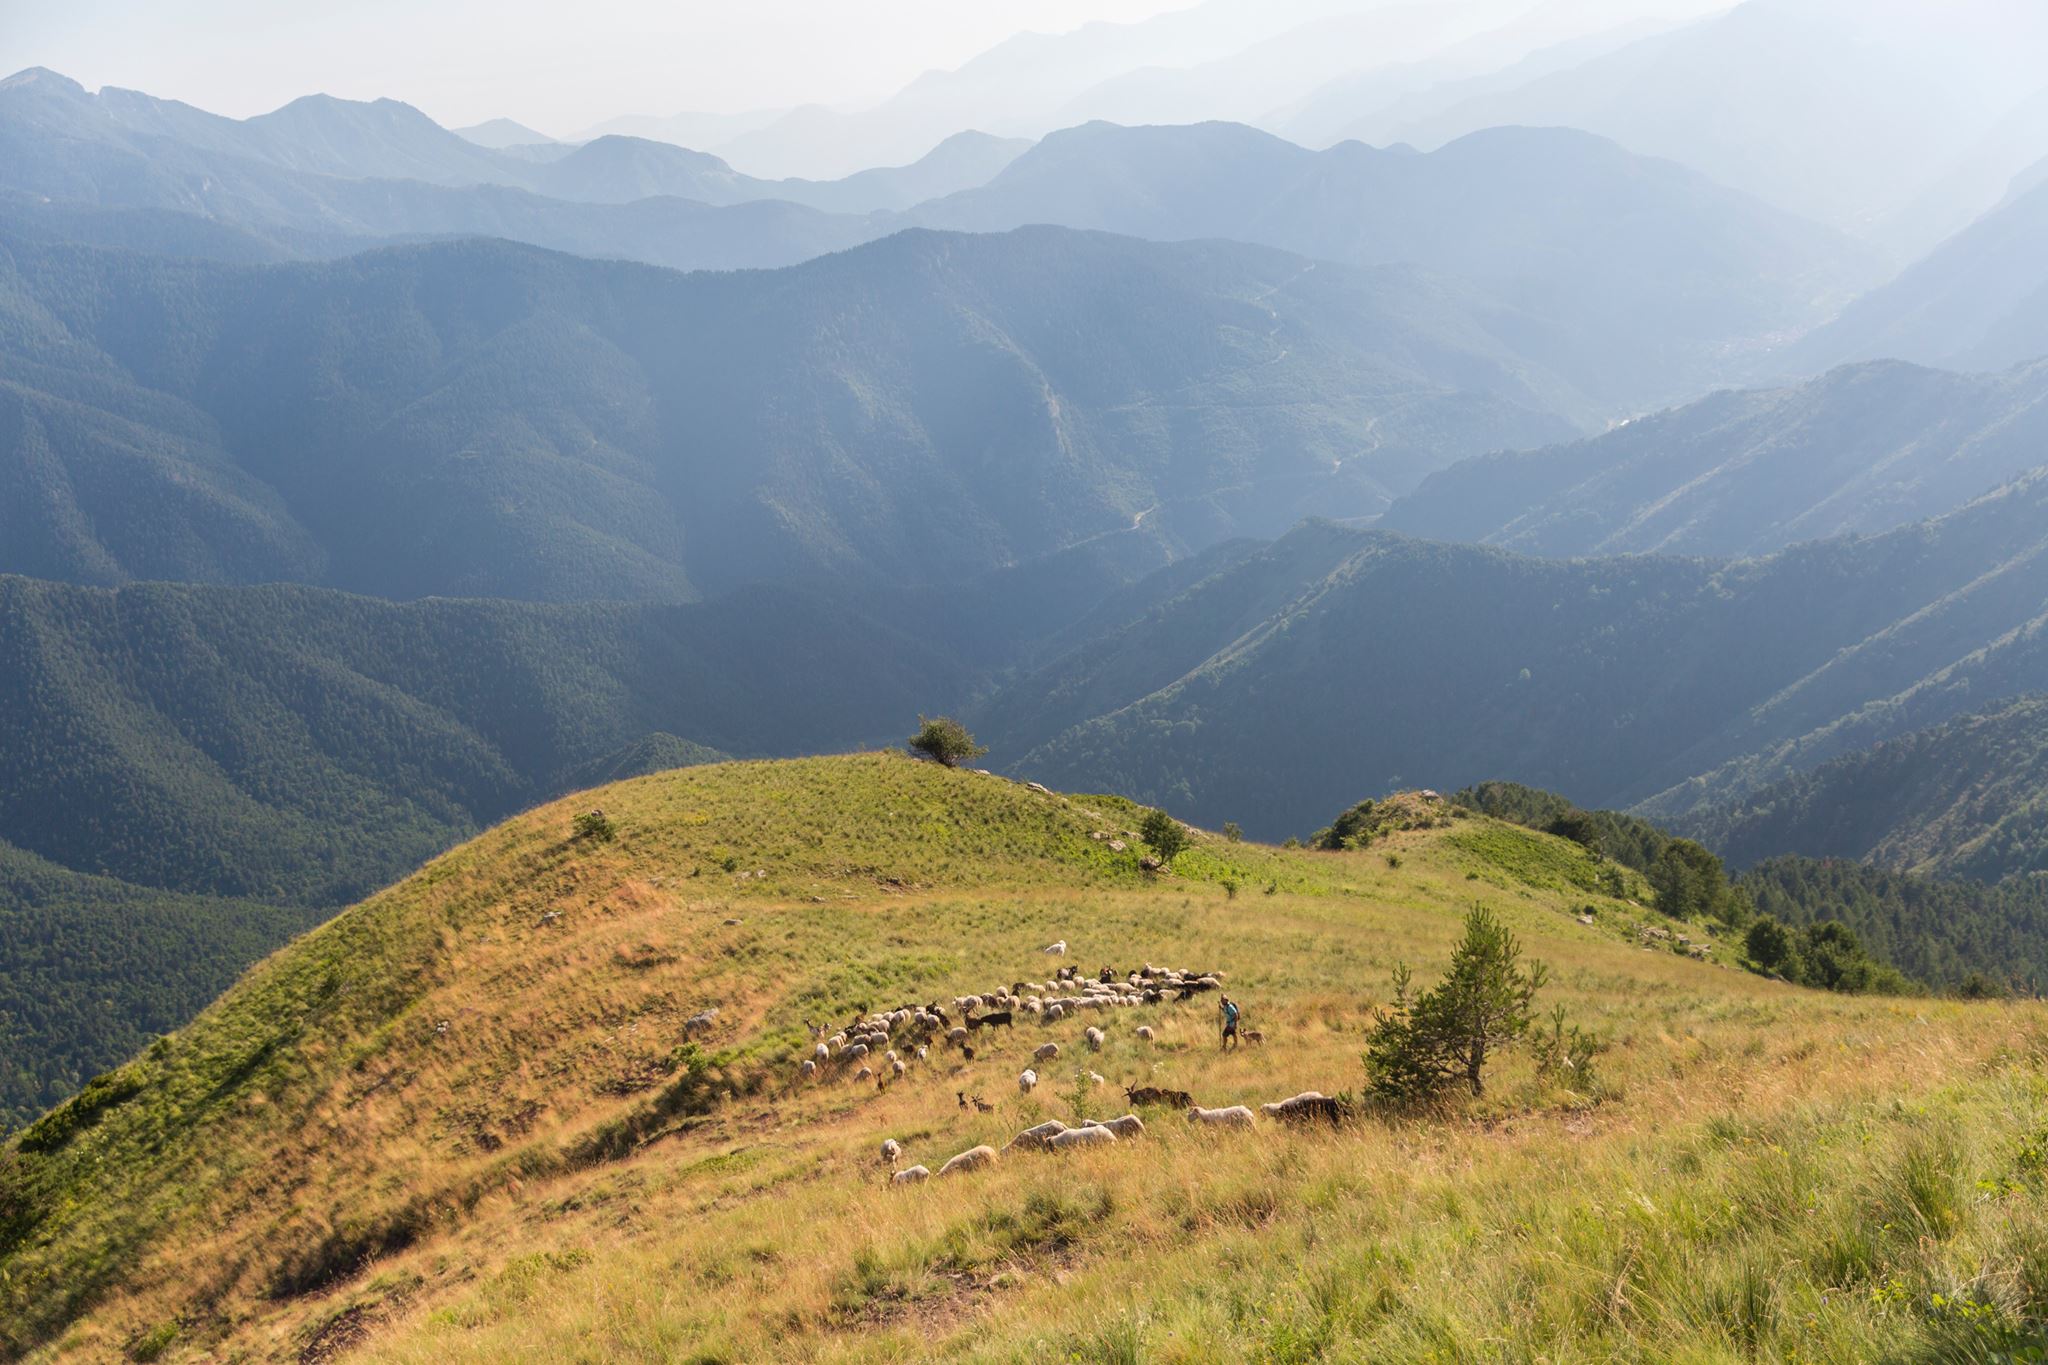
(944,740)
(1164,835)
(1429,1042)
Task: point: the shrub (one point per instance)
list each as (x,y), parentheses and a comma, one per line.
(1564,1052)
(1233,832)
(595,826)
(944,741)
(1429,1042)
(1164,835)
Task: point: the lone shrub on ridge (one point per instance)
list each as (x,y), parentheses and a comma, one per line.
(944,740)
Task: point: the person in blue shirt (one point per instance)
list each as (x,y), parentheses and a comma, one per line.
(1230,1022)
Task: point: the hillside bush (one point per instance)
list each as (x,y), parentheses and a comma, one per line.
(595,826)
(944,741)
(1163,835)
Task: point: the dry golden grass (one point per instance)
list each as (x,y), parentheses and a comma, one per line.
(1758,1172)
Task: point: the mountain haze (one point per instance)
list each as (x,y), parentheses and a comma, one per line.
(479,418)
(1637,279)
(1847,109)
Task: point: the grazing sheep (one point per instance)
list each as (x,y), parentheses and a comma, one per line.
(1096,1078)
(1237,1116)
(957,1035)
(1055,1012)
(1080,1137)
(866,1073)
(1037,1136)
(699,1022)
(973,1159)
(1045,1052)
(922,1052)
(911,1176)
(1309,1107)
(1057,949)
(856,1052)
(1145,1033)
(1129,1126)
(821,1054)
(896,1068)
(808,1069)
(891,1149)
(1094,1036)
(1027,1080)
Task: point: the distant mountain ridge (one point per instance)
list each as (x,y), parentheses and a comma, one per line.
(1655,683)
(483,419)
(1861,450)
(1979,301)
(1640,280)
(125,148)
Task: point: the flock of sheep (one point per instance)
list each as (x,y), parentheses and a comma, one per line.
(881,1046)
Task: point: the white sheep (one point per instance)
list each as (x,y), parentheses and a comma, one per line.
(973,1159)
(911,1176)
(1094,1036)
(857,1051)
(866,1073)
(1237,1116)
(1027,1080)
(1055,1012)
(821,1054)
(896,1068)
(1097,1136)
(808,1069)
(891,1149)
(957,1035)
(1145,1034)
(1057,949)
(1129,1126)
(1096,1078)
(922,1052)
(1045,1052)
(1037,1136)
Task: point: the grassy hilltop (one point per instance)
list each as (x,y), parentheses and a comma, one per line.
(461,1121)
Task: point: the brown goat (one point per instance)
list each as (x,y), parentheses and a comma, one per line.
(1149,1094)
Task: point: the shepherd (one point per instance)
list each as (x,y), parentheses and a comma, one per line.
(1229,1023)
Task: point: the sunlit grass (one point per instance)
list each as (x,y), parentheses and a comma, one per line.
(1756,1172)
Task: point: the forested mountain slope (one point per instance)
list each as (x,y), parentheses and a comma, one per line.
(479,418)
(91,969)
(1338,662)
(1864,449)
(1968,798)
(304,746)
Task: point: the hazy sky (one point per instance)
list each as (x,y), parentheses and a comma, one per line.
(560,65)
